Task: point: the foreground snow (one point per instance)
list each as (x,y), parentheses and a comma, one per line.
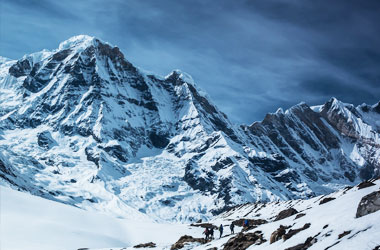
(327,221)
(30,222)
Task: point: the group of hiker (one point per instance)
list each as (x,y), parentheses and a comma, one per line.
(209,231)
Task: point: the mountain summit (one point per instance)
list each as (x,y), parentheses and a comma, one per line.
(83,126)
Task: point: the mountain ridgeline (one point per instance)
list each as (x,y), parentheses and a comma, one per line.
(83,126)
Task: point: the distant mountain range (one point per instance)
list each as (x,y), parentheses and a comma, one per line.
(83,126)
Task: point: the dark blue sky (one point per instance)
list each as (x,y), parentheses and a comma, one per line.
(251,57)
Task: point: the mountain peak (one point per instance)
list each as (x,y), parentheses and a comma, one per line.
(79,42)
(180,75)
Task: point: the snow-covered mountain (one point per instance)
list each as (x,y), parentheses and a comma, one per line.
(83,126)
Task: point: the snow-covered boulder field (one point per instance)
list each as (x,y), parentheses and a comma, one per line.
(323,222)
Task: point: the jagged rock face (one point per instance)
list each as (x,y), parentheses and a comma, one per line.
(82,125)
(369,204)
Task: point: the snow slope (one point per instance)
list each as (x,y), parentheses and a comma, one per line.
(327,220)
(34,223)
(30,222)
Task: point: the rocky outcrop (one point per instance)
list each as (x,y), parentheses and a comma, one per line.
(251,222)
(344,234)
(286,213)
(146,245)
(277,234)
(244,240)
(185,240)
(299,216)
(203,225)
(365,184)
(293,232)
(45,140)
(325,200)
(303,246)
(369,204)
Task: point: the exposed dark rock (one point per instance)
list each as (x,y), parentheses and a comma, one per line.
(325,200)
(286,213)
(45,140)
(303,246)
(146,245)
(369,204)
(242,241)
(187,239)
(193,178)
(222,163)
(311,174)
(251,222)
(219,123)
(269,165)
(344,234)
(158,140)
(5,170)
(21,68)
(365,184)
(367,172)
(277,234)
(376,108)
(92,156)
(293,232)
(299,216)
(118,152)
(204,225)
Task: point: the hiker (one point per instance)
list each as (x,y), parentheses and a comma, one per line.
(232,228)
(246,223)
(207,233)
(212,232)
(221,230)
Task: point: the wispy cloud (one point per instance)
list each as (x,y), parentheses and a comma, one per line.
(250,56)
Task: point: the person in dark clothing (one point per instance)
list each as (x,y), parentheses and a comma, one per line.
(221,230)
(232,228)
(206,233)
(212,232)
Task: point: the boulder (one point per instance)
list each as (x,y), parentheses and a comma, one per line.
(293,232)
(242,241)
(365,184)
(187,239)
(325,200)
(344,234)
(299,216)
(303,246)
(286,213)
(276,235)
(369,204)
